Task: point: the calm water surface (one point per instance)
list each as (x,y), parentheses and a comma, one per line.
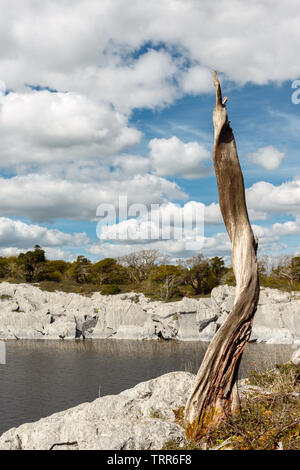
(43,377)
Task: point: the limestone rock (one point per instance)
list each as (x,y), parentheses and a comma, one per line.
(208,332)
(28,312)
(295,359)
(139,418)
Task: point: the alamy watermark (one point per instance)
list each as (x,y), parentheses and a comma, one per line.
(2,353)
(138,222)
(2,88)
(296,94)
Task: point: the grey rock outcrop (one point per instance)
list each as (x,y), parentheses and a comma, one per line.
(26,312)
(139,418)
(295,359)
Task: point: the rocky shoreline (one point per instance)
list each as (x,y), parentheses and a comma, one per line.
(140,418)
(29,313)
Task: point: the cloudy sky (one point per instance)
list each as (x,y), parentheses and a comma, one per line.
(110,98)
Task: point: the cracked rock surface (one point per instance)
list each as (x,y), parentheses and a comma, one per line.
(26,312)
(138,418)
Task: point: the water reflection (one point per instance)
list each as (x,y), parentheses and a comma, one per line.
(42,377)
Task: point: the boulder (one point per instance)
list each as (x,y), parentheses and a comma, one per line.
(220,296)
(208,332)
(188,327)
(21,325)
(295,359)
(123,318)
(139,418)
(62,328)
(265,334)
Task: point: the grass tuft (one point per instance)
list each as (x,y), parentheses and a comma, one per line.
(269,418)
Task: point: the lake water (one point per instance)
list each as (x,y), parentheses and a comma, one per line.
(43,377)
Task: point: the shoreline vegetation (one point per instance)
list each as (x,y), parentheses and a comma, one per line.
(269,418)
(146,271)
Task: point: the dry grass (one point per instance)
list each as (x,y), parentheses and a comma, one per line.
(269,417)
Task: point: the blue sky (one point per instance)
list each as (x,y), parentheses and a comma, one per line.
(99,100)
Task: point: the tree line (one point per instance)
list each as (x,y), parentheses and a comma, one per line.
(145,271)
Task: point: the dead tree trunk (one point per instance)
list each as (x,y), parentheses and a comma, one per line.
(215,392)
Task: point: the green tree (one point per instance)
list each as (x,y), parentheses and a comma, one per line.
(109,271)
(204,274)
(295,268)
(81,269)
(167,278)
(4,267)
(15,267)
(32,263)
(53,270)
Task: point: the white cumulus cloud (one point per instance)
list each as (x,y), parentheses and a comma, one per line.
(66,43)
(174,157)
(41,127)
(42,198)
(21,235)
(275,199)
(268,157)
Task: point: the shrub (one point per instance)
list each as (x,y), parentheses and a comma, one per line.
(111,289)
(55,276)
(5,297)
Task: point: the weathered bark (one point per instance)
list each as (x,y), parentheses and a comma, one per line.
(215,392)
